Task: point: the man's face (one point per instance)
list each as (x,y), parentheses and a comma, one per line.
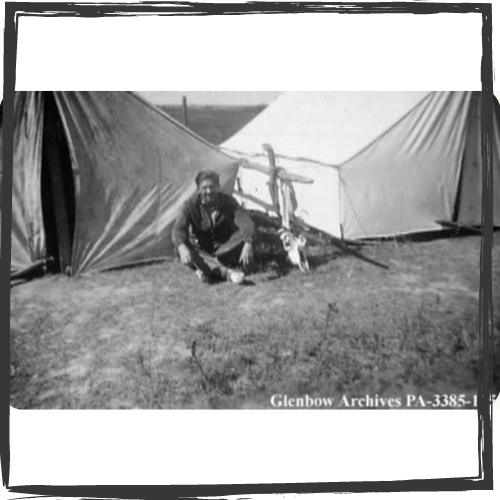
(208,190)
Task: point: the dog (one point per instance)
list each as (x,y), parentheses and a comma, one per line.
(294,246)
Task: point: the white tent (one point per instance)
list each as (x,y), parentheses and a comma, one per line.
(383,163)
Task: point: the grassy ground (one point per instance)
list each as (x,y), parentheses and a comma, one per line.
(155,337)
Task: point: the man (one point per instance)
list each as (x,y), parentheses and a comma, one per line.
(212,224)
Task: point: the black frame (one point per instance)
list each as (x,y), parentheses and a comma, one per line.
(484,480)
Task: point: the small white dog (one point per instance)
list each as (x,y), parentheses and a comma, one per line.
(294,246)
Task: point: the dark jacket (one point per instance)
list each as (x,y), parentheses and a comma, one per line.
(195,221)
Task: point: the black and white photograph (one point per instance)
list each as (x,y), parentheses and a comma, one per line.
(246,250)
(250,247)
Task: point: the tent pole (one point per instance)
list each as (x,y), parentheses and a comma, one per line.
(185,110)
(273,179)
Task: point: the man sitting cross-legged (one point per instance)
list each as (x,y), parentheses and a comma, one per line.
(213,231)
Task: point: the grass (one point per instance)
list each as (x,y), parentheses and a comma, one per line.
(155,337)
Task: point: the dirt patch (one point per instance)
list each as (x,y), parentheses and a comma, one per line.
(450,285)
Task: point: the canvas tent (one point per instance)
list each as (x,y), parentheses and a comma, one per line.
(383,163)
(98,178)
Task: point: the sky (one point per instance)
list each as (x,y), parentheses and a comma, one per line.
(212,97)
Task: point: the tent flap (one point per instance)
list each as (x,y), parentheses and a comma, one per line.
(28,235)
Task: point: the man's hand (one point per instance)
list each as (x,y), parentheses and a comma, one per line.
(246,256)
(185,254)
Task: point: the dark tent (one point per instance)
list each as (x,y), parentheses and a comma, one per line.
(98,178)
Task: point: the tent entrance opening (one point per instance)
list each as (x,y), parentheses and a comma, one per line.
(58,190)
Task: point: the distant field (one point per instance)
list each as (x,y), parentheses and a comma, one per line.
(216,124)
